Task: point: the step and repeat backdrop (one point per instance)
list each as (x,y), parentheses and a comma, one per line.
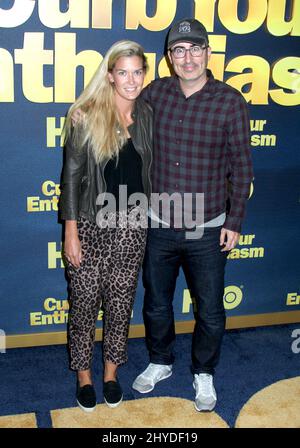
(49,51)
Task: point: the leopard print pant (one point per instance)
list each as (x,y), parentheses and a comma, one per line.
(107,277)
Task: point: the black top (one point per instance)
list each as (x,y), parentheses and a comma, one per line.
(128,171)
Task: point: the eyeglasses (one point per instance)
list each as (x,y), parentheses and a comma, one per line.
(195,51)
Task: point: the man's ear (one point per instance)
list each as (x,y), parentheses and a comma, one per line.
(170,57)
(208,52)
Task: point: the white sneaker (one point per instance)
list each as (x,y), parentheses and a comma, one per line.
(154,373)
(206,397)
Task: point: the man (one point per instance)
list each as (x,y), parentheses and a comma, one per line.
(201,140)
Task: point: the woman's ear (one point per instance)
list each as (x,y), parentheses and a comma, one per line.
(110,77)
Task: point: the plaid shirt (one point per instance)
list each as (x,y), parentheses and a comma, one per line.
(199,142)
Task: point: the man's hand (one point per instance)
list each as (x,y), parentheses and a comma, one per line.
(229,238)
(76,116)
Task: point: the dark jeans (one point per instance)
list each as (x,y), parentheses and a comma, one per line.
(203,264)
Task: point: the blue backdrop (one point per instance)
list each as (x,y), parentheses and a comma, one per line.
(48,52)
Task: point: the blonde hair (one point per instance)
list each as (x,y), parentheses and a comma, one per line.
(100,124)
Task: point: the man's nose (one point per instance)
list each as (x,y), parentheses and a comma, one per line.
(187,56)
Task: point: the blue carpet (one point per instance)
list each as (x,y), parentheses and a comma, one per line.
(38,379)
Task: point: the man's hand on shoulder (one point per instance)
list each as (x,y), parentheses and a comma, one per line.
(77,116)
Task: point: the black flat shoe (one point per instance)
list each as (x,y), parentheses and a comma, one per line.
(86,397)
(113,394)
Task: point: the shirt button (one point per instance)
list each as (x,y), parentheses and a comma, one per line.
(180,121)
(177,163)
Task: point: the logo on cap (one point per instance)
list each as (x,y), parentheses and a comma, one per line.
(184,27)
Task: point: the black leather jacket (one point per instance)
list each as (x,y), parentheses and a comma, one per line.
(83,180)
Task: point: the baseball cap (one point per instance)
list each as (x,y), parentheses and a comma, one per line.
(188,30)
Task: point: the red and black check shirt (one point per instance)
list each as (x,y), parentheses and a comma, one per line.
(200,142)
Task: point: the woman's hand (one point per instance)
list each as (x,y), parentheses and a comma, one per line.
(72,246)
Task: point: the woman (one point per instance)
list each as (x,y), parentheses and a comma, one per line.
(109,146)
